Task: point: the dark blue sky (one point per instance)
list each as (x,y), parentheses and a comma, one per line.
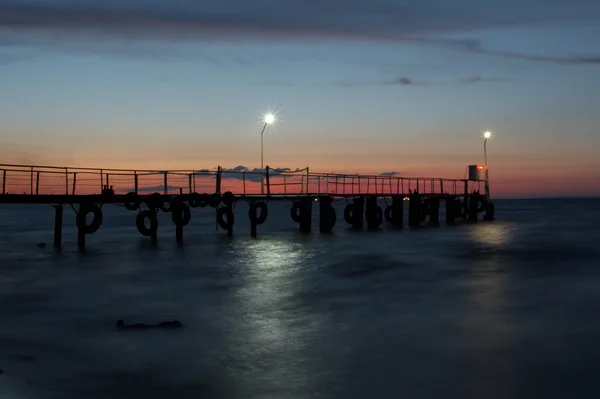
(365,85)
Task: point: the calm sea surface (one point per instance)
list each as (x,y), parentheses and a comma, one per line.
(508,309)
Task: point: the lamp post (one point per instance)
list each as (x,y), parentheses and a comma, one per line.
(269,118)
(486,136)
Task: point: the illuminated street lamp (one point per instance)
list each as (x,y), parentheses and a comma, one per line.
(486,135)
(269,118)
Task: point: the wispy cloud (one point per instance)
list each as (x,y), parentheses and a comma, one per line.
(81,23)
(471,80)
(406,81)
(477,47)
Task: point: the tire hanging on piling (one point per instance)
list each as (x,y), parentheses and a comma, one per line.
(214,200)
(132,201)
(228,198)
(252,212)
(166,205)
(349,214)
(153,201)
(388,213)
(194,200)
(375,216)
(425,209)
(481,200)
(81,220)
(180,213)
(221,213)
(141,225)
(295,211)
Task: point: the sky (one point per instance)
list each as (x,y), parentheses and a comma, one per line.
(373,86)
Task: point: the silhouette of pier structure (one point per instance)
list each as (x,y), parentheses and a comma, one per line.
(176,192)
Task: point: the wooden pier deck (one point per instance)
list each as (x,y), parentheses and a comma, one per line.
(59,185)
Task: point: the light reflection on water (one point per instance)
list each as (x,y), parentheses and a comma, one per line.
(493,234)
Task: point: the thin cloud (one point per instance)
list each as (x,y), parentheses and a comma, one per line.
(400,81)
(241,172)
(471,80)
(477,47)
(405,81)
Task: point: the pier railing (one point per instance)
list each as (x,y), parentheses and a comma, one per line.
(53,180)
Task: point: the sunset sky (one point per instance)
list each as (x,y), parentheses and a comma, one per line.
(368,86)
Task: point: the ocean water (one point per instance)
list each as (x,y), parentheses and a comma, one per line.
(503,309)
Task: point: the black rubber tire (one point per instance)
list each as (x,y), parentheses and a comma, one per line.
(153,201)
(132,201)
(264,212)
(194,200)
(348,214)
(214,201)
(141,225)
(221,213)
(295,211)
(228,198)
(81,221)
(180,213)
(388,213)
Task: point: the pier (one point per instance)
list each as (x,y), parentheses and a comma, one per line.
(177,192)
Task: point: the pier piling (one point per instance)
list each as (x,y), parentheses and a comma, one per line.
(154,225)
(229,220)
(357,213)
(258,214)
(327,215)
(473,200)
(81,239)
(58,222)
(452,211)
(490,209)
(373,213)
(414,210)
(179,234)
(434,211)
(397,211)
(306,205)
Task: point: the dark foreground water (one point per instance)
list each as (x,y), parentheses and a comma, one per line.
(508,309)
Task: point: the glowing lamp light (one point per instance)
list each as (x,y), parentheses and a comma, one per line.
(269,118)
(487,134)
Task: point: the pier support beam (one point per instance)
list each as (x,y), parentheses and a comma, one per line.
(252,214)
(373,214)
(327,215)
(153,221)
(58,222)
(358,209)
(230,218)
(434,211)
(179,234)
(490,210)
(81,239)
(258,214)
(306,215)
(414,210)
(453,210)
(397,211)
(473,202)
